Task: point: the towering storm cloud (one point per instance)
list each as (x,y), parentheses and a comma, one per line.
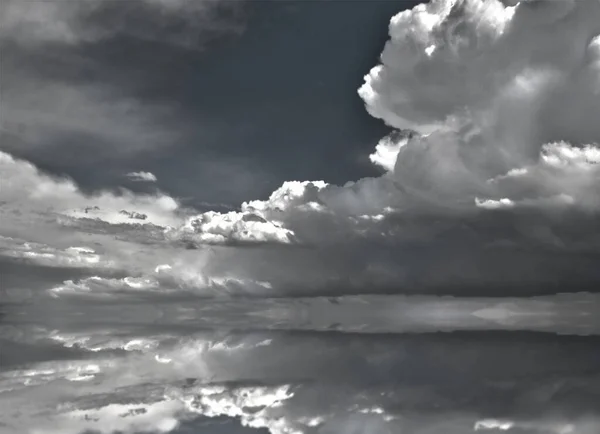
(505,99)
(131,312)
(503,102)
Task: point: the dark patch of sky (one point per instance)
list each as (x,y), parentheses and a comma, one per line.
(247,110)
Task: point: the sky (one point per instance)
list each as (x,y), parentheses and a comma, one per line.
(299,217)
(220,112)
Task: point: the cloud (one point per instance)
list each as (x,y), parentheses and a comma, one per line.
(48,222)
(479,158)
(142,176)
(386,151)
(257,222)
(486,105)
(47,255)
(233,227)
(492,158)
(73,23)
(61,95)
(29,192)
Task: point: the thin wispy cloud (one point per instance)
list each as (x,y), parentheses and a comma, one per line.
(142,176)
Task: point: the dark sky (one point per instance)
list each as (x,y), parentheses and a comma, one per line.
(272,100)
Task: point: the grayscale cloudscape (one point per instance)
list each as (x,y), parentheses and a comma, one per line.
(199,236)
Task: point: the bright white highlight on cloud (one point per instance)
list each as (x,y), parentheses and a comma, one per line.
(386,152)
(25,190)
(492,424)
(258,221)
(487,98)
(142,176)
(217,228)
(221,401)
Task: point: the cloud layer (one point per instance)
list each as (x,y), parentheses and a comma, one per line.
(61,96)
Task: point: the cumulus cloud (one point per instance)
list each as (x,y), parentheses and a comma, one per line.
(29,192)
(258,221)
(386,151)
(481,85)
(142,176)
(479,81)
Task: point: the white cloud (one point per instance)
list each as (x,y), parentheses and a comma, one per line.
(583,426)
(414,90)
(257,222)
(486,103)
(386,152)
(28,192)
(142,176)
(47,221)
(233,227)
(50,256)
(253,405)
(494,204)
